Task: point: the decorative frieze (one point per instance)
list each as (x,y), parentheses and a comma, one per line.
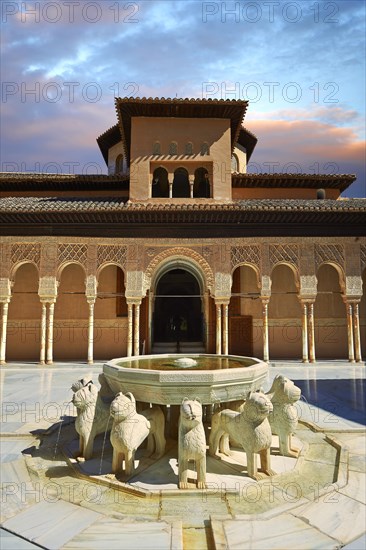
(283,253)
(329,253)
(26,252)
(245,255)
(112,254)
(73,253)
(363,256)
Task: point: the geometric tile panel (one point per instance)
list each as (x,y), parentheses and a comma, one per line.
(283,253)
(245,254)
(112,254)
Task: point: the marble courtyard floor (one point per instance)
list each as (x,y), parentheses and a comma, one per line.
(317,501)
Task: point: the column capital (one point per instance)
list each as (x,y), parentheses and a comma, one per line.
(5,289)
(47,289)
(348,300)
(306,299)
(133,301)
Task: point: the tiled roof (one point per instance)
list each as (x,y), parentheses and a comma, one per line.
(311,181)
(77,204)
(26,181)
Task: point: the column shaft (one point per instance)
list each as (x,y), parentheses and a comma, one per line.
(225,331)
(50,334)
(356,330)
(129,330)
(136,350)
(305,346)
(311,330)
(91,333)
(351,353)
(265,331)
(42,354)
(4,328)
(218,329)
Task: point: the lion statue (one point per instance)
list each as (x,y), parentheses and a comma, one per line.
(191,443)
(130,429)
(283,420)
(92,419)
(250,428)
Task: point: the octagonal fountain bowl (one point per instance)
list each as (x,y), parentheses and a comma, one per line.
(167,379)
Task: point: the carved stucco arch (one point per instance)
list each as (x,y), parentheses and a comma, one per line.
(106,264)
(62,266)
(340,271)
(255,268)
(294,268)
(14,268)
(186,256)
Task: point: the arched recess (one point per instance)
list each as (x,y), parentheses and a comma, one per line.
(245,313)
(70,339)
(284,314)
(24,317)
(119,164)
(110,313)
(330,314)
(181,183)
(234,163)
(160,185)
(201,186)
(178,276)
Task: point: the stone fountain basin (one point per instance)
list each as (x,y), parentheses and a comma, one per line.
(223,381)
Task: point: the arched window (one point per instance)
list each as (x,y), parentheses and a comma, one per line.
(189,148)
(181,183)
(173,148)
(156,148)
(205,148)
(160,186)
(201,187)
(234,163)
(119,164)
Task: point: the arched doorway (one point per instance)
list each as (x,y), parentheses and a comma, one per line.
(201,187)
(177,313)
(160,185)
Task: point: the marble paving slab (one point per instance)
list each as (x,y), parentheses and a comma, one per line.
(9,541)
(111,534)
(51,524)
(281,533)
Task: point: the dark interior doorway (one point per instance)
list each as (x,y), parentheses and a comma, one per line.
(178,308)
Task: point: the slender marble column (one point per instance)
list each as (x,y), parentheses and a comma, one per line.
(265,330)
(4,327)
(351,353)
(311,330)
(42,355)
(207,319)
(170,189)
(129,329)
(191,184)
(218,329)
(136,350)
(356,330)
(50,334)
(225,330)
(91,333)
(305,347)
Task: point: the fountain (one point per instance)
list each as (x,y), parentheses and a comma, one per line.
(167,379)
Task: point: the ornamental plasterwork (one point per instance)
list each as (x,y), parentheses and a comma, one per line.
(22,252)
(283,253)
(363,256)
(353,286)
(329,253)
(73,253)
(135,284)
(47,287)
(222,285)
(266,285)
(183,253)
(91,285)
(308,285)
(5,290)
(245,255)
(112,254)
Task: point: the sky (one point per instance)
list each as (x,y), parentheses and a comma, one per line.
(300,64)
